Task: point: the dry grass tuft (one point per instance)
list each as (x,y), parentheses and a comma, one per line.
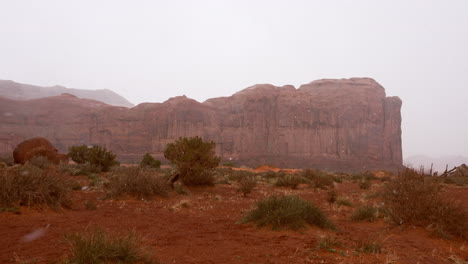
(98,247)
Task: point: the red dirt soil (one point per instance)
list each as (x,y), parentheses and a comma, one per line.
(205,230)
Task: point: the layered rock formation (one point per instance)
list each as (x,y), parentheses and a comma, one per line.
(343,125)
(19,91)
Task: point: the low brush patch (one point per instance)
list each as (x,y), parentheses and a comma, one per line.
(287,212)
(96,247)
(290,181)
(138,182)
(30,186)
(415,198)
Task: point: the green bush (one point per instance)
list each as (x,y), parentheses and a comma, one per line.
(344,202)
(97,247)
(150,162)
(40,161)
(96,156)
(85,169)
(194,159)
(414,198)
(362,176)
(29,186)
(290,181)
(246,185)
(237,175)
(287,212)
(365,213)
(320,179)
(138,182)
(78,154)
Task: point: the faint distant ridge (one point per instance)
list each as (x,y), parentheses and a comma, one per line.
(19,91)
(438,163)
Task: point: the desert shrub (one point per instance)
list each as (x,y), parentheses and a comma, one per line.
(138,182)
(344,202)
(370,247)
(287,212)
(272,174)
(29,185)
(363,176)
(96,247)
(365,184)
(328,242)
(457,180)
(90,205)
(180,189)
(331,196)
(237,175)
(78,154)
(150,162)
(364,213)
(246,185)
(74,185)
(85,169)
(414,198)
(102,158)
(290,181)
(320,179)
(194,158)
(95,155)
(229,164)
(40,161)
(95,180)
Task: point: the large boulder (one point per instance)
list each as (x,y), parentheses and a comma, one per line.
(35,147)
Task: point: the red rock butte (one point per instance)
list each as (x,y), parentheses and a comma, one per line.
(338,125)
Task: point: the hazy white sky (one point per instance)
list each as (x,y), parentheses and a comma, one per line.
(153,50)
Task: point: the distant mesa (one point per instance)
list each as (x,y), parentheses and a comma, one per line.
(336,125)
(19,91)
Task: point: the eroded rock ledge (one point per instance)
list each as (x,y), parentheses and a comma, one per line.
(342,125)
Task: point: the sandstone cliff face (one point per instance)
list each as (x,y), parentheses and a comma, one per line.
(344,125)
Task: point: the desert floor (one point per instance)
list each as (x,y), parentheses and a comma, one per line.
(203,226)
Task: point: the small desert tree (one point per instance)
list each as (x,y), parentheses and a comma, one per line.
(194,158)
(150,162)
(96,155)
(78,153)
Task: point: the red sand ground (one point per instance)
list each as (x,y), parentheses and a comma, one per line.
(206,230)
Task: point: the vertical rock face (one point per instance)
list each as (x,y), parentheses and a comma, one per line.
(344,125)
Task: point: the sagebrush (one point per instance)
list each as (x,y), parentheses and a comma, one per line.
(287,212)
(138,182)
(94,155)
(30,186)
(415,198)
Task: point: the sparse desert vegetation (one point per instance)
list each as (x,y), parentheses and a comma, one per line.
(31,186)
(287,212)
(194,160)
(97,246)
(330,218)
